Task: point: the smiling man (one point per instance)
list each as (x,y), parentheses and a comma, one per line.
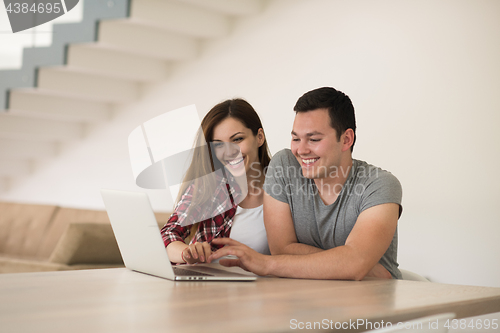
(327,215)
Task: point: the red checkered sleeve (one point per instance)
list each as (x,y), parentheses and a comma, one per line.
(175,229)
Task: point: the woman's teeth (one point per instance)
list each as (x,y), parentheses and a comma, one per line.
(235,162)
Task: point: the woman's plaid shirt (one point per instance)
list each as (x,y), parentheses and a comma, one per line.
(216,217)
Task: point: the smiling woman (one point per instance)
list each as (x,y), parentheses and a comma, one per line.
(221,194)
(237,147)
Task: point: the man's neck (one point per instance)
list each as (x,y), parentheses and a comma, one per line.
(330,187)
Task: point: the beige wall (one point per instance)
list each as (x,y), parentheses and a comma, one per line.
(424,77)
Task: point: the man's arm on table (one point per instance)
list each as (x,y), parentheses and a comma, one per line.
(365,245)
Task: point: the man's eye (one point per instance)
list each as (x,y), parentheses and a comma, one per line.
(295,139)
(315,140)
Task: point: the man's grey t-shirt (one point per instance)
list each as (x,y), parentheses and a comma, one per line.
(328,226)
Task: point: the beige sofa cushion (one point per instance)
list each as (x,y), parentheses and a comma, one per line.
(91,243)
(63,218)
(23,228)
(87,243)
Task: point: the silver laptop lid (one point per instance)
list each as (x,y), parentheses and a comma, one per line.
(137,234)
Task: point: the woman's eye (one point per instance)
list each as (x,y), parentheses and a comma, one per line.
(218,144)
(237,139)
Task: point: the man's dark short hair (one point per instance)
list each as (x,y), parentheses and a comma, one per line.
(339,107)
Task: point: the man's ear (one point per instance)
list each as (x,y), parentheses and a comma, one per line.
(261,137)
(347,139)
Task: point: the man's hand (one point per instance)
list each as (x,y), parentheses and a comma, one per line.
(197,253)
(248,259)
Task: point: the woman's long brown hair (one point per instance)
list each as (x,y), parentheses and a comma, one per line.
(203,162)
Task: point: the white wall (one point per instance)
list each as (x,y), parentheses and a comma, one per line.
(424,77)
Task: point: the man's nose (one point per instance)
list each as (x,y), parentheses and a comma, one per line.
(303,148)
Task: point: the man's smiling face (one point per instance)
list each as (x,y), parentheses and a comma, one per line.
(315,144)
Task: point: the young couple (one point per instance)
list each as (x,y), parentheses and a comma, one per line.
(320,213)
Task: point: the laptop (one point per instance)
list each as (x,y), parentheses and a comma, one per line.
(141,245)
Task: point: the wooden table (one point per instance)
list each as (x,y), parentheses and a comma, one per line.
(119,300)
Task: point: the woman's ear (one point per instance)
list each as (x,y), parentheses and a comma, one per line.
(261,137)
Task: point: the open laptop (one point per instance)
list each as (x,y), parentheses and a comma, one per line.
(141,245)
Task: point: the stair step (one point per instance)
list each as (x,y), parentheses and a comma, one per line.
(26,128)
(14,78)
(62,34)
(147,40)
(229,7)
(34,57)
(22,149)
(82,84)
(38,103)
(98,58)
(181,17)
(93,11)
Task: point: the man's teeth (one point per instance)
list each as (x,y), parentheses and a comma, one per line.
(234,162)
(311,160)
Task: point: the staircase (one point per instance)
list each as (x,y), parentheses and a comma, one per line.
(98,63)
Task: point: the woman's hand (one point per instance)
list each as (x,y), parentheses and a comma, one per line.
(197,253)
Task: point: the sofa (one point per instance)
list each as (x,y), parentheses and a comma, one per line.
(36,238)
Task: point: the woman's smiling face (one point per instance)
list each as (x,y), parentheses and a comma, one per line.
(236,147)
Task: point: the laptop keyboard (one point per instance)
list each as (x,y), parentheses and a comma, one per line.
(187,272)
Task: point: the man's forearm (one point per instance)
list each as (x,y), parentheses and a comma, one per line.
(299,248)
(338,263)
(342,262)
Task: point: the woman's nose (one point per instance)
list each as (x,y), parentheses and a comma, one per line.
(231,150)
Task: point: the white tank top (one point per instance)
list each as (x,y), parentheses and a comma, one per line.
(248,228)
